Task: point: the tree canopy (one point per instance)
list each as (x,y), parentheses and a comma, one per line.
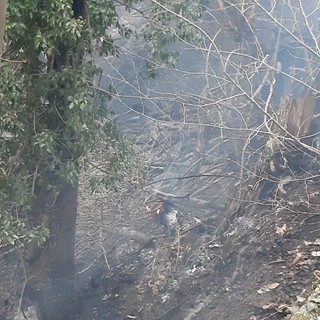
(51,115)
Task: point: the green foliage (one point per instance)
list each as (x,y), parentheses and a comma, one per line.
(15,202)
(307,307)
(51,117)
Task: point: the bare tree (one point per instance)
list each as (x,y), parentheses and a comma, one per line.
(238,105)
(232,123)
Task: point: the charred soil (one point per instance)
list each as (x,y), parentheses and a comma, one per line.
(264,258)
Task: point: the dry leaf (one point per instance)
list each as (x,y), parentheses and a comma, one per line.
(315,253)
(307,262)
(281,230)
(106,297)
(297,258)
(314,243)
(272,286)
(278,307)
(267,306)
(268,287)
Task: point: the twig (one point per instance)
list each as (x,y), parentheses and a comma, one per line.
(192,176)
(178,250)
(24,284)
(165,313)
(100,242)
(87,268)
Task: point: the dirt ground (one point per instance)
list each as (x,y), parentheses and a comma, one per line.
(134,264)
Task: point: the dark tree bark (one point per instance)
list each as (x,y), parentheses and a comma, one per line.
(79,8)
(61,256)
(51,268)
(3,11)
(282,157)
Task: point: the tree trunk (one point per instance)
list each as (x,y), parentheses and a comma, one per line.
(59,294)
(51,268)
(282,159)
(3,11)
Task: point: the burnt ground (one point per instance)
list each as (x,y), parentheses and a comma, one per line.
(132,263)
(131,266)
